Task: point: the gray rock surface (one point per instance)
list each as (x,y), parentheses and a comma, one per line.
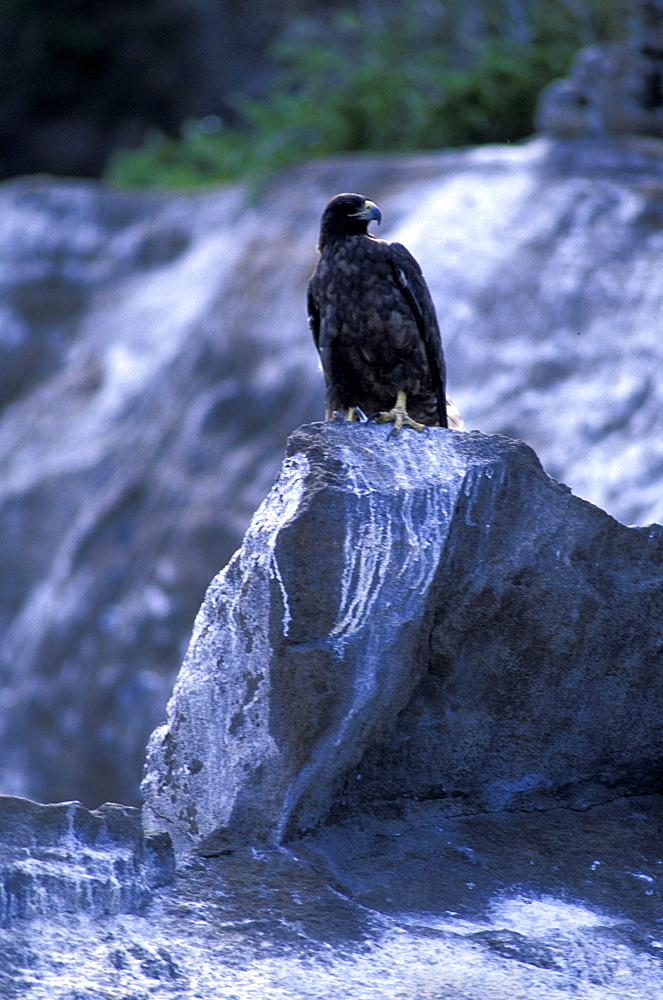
(154,357)
(412,903)
(422,616)
(412,625)
(614,88)
(129,473)
(64,859)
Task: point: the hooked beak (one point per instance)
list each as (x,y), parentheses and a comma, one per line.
(370,212)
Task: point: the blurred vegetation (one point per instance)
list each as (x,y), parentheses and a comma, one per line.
(417,75)
(99,67)
(83,77)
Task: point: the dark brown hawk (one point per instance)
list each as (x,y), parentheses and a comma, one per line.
(374,323)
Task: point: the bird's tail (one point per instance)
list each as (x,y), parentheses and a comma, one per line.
(454,419)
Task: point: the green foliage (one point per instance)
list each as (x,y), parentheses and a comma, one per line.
(207,153)
(410,76)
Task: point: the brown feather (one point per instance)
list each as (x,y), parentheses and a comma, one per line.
(373,319)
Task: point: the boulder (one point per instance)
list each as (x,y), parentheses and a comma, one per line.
(447,668)
(403,755)
(425,617)
(614,88)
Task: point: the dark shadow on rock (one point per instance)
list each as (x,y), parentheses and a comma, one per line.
(415,858)
(274,900)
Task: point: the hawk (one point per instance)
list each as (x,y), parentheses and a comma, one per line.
(374,324)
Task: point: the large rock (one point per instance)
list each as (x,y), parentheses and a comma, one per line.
(427,617)
(381,573)
(154,357)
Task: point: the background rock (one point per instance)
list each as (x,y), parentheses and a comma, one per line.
(614,88)
(426,617)
(155,357)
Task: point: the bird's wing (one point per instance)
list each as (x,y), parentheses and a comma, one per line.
(414,289)
(313,314)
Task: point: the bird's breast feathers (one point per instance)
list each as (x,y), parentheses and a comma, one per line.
(357,275)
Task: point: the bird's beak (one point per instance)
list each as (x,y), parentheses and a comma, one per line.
(369,211)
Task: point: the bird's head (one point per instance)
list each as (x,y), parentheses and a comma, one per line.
(347,215)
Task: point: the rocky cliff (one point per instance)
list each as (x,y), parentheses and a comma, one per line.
(154,357)
(414,750)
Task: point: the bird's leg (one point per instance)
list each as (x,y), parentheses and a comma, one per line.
(398,416)
(345,415)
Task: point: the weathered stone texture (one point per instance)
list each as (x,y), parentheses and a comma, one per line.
(63,859)
(427,617)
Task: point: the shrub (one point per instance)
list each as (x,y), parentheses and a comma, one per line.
(397,78)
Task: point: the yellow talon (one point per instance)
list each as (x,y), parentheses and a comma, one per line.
(398,416)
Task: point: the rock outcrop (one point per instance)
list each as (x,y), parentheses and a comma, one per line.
(615,88)
(426,617)
(64,859)
(413,903)
(154,357)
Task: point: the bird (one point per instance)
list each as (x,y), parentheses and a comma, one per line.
(374,324)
